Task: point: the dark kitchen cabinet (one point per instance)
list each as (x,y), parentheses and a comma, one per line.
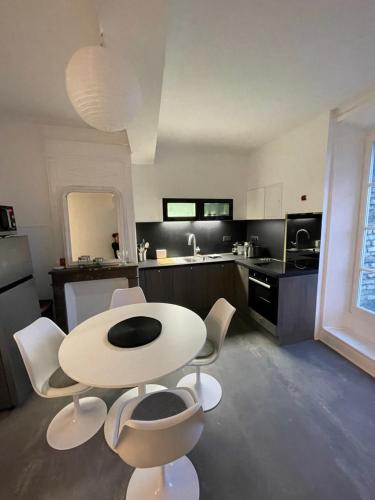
(157,285)
(190,288)
(220,282)
(241,287)
(196,287)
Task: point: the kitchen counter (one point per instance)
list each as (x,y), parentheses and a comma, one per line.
(280,269)
(275,268)
(181,261)
(285,306)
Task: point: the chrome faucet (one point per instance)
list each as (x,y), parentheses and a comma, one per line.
(193,240)
(296,243)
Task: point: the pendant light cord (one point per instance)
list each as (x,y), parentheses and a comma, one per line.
(101,33)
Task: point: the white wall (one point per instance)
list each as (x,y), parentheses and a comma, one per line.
(296,159)
(339,276)
(24,184)
(92,221)
(342,222)
(182,171)
(340,323)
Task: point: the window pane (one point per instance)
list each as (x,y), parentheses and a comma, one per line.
(216,209)
(369,249)
(366,298)
(372,166)
(179,209)
(370,219)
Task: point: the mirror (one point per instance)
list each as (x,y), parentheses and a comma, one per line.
(91,225)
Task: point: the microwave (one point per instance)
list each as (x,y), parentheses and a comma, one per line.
(7,220)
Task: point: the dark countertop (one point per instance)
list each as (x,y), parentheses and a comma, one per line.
(280,269)
(275,268)
(180,261)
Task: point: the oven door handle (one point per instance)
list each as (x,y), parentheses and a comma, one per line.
(265,300)
(259,282)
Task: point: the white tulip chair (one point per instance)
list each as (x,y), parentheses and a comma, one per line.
(206,387)
(127,296)
(157,446)
(77,422)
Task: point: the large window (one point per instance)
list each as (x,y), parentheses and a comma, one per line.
(366,289)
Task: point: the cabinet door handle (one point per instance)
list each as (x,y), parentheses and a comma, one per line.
(259,282)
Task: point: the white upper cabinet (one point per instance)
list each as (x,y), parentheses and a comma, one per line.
(265,202)
(273,199)
(255,203)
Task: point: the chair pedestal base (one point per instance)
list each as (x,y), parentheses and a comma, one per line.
(205,386)
(178,480)
(119,403)
(72,427)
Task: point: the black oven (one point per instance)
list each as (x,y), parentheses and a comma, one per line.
(263,295)
(7,220)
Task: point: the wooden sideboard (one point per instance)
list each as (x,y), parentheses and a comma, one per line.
(74,274)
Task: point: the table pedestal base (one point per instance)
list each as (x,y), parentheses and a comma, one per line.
(120,402)
(76,423)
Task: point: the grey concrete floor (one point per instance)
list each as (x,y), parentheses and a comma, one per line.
(295,423)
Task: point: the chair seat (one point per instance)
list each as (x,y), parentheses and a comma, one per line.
(159,405)
(59,379)
(60,384)
(206,350)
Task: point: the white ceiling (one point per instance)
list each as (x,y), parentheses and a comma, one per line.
(38,37)
(138,28)
(240,72)
(237,73)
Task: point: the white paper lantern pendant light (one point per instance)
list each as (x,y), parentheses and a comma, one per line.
(103,88)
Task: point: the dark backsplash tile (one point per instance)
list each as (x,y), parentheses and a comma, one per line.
(271,235)
(312,223)
(209,235)
(174,236)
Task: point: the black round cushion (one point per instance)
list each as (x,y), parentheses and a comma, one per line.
(134,332)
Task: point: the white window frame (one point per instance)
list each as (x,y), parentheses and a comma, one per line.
(362,227)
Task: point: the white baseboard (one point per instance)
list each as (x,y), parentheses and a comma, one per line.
(356,351)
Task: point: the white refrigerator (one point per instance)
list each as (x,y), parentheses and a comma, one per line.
(19,306)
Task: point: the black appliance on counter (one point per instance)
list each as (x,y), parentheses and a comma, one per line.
(19,306)
(263,295)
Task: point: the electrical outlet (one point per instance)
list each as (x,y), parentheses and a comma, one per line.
(227,238)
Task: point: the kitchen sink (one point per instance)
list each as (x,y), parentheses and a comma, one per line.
(201,258)
(193,259)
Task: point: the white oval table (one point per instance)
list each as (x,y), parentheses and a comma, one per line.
(87,356)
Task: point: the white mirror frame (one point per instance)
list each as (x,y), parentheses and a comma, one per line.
(65,211)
